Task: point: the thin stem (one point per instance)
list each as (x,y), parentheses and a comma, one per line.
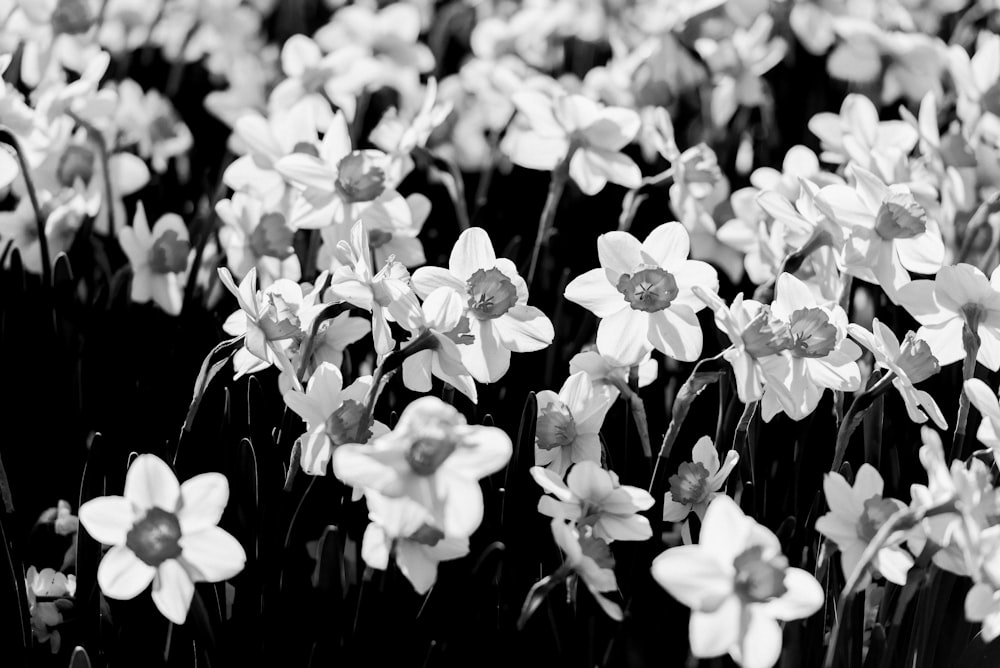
(8,137)
(456,189)
(638,409)
(560,175)
(971,342)
(855,414)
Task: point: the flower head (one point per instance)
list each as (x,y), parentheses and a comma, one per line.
(697,482)
(159,259)
(568,425)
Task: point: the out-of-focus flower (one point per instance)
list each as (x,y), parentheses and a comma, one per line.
(594,498)
(976,79)
(47,615)
(603,369)
(568,424)
(563,123)
(589,558)
(443,319)
(799,163)
(149,120)
(911,362)
(389,238)
(697,482)
(404,529)
(399,136)
(738,585)
(159,259)
(496,299)
(432,457)
(251,237)
(959,296)
(856,514)
(165,533)
(857,134)
(985,401)
(642,293)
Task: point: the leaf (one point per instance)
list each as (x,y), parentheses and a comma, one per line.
(523,457)
(536,595)
(16,639)
(873,425)
(209,368)
(329,576)
(980,654)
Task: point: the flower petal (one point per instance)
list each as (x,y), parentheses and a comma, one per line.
(150,483)
(122,575)
(173,590)
(108,519)
(203,500)
(212,554)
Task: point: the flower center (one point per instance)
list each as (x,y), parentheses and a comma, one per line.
(596,549)
(991,100)
(765,335)
(649,290)
(759,579)
(916,359)
(427,535)
(307,148)
(163,128)
(272,237)
(278,320)
(462,334)
(877,511)
(491,294)
(426,455)
(690,484)
(555,427)
(359,178)
(155,538)
(812,333)
(72,17)
(345,424)
(169,253)
(379,238)
(900,217)
(76,162)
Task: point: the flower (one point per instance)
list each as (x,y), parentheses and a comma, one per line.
(445,321)
(432,457)
(738,585)
(496,304)
(252,236)
(602,369)
(697,482)
(389,238)
(985,401)
(856,514)
(47,615)
(165,533)
(857,134)
(267,320)
(403,528)
(959,296)
(563,125)
(590,560)
(911,362)
(594,498)
(642,293)
(159,259)
(333,414)
(976,81)
(568,425)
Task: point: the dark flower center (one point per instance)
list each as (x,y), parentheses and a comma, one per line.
(169,253)
(155,538)
(272,237)
(427,535)
(306,148)
(690,484)
(77,162)
(900,217)
(346,424)
(491,294)
(765,335)
(877,511)
(555,427)
(72,17)
(916,359)
(812,333)
(759,579)
(379,238)
(649,290)
(426,455)
(359,178)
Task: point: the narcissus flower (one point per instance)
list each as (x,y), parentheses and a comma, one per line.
(959,296)
(444,319)
(697,482)
(738,585)
(58,590)
(590,560)
(165,533)
(496,299)
(911,362)
(251,236)
(856,514)
(857,134)
(568,424)
(985,401)
(432,457)
(404,529)
(593,497)
(602,369)
(642,292)
(159,259)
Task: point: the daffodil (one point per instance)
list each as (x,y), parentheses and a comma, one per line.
(163,532)
(697,482)
(738,585)
(496,304)
(46,615)
(642,293)
(159,259)
(251,236)
(856,514)
(432,457)
(985,401)
(857,134)
(588,558)
(443,319)
(593,497)
(602,369)
(568,424)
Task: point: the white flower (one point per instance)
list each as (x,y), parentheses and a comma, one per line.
(593,497)
(165,533)
(568,425)
(642,293)
(602,369)
(985,401)
(444,319)
(590,559)
(857,134)
(697,482)
(738,585)
(159,258)
(254,237)
(856,514)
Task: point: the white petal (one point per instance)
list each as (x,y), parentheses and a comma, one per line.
(122,575)
(150,483)
(212,555)
(173,591)
(203,499)
(108,519)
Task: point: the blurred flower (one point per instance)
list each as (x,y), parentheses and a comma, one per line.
(389,238)
(496,304)
(857,134)
(976,80)
(568,425)
(738,585)
(251,237)
(159,259)
(47,615)
(642,293)
(149,120)
(593,497)
(856,514)
(697,482)
(985,401)
(164,533)
(601,369)
(433,458)
(588,558)
(398,136)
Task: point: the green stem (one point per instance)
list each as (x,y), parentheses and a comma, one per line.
(971,342)
(8,137)
(560,175)
(855,414)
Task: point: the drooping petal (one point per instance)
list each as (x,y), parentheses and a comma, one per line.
(713,633)
(623,336)
(524,329)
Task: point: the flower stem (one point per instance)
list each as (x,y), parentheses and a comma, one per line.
(855,414)
(560,175)
(971,342)
(7,137)
(102,152)
(638,409)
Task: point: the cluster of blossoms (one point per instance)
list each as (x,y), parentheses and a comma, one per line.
(315,234)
